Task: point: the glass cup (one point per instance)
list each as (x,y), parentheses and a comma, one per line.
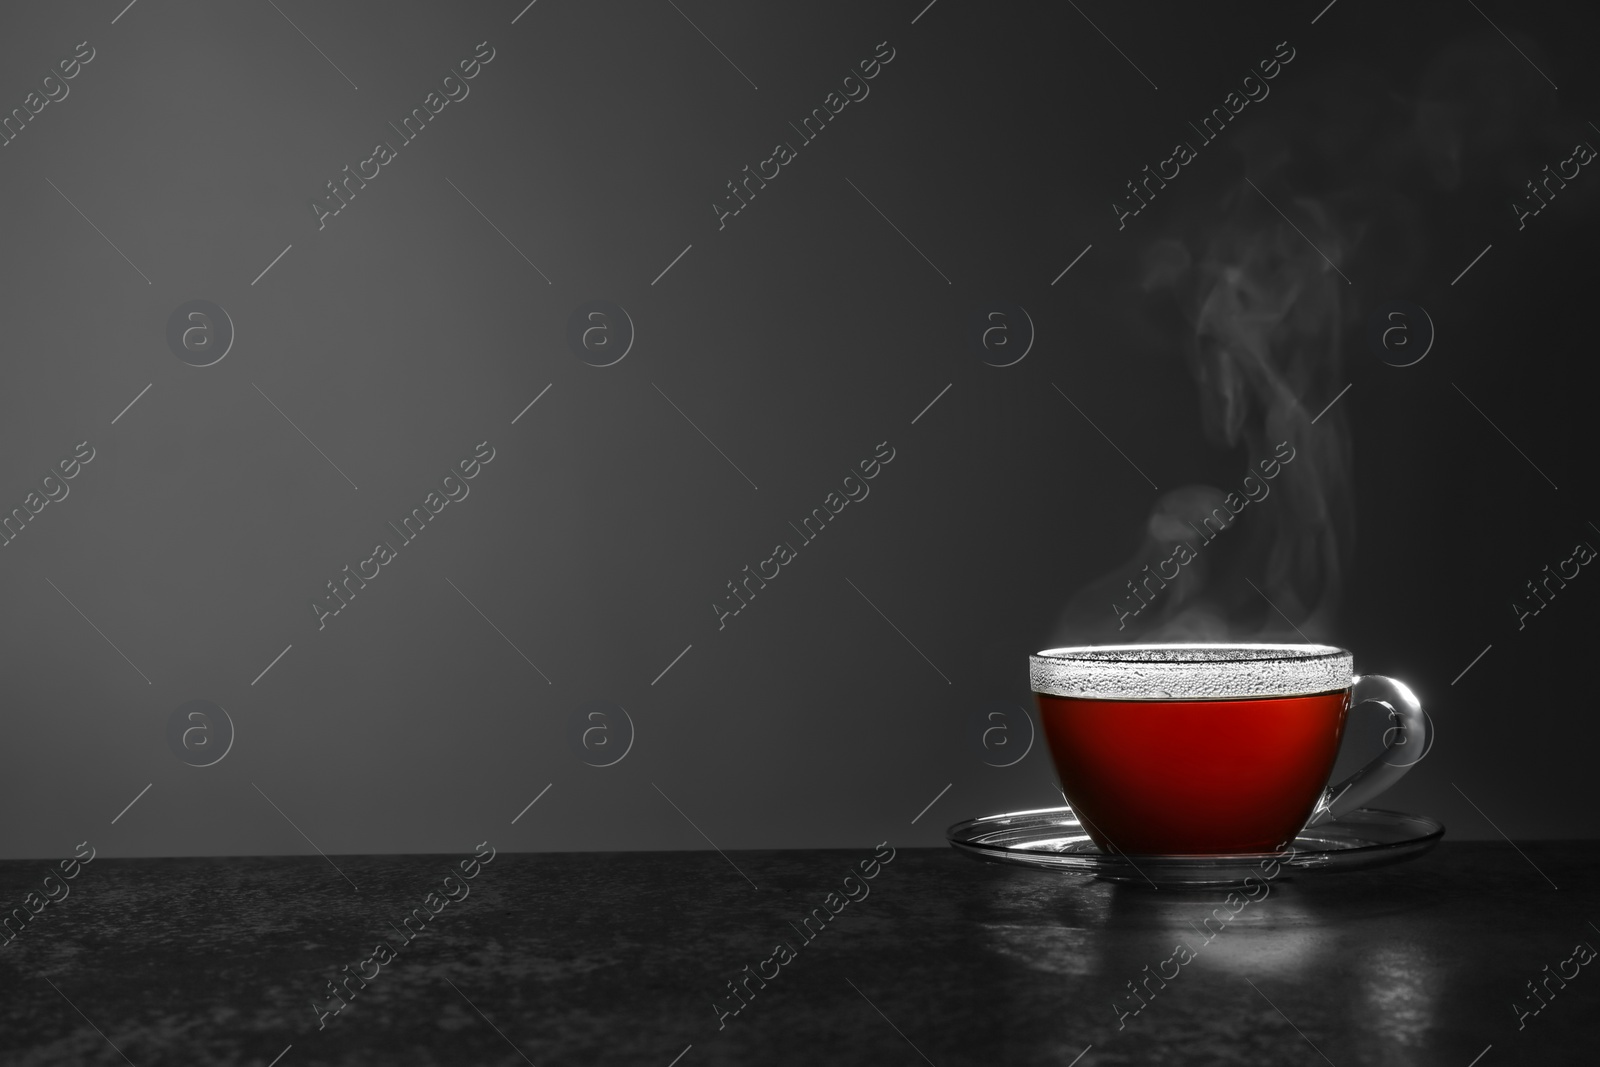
(1208,749)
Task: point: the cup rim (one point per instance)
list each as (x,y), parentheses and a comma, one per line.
(1147,672)
(1298,650)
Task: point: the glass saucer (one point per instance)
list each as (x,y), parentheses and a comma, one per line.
(1054,839)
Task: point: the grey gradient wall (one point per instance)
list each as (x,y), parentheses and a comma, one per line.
(772,351)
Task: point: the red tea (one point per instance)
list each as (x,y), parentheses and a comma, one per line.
(1175,777)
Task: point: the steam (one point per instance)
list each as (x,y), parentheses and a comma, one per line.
(1263,309)
(1269,317)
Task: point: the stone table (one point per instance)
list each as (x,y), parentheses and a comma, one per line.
(626,958)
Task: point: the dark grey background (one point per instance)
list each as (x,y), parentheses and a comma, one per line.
(797,338)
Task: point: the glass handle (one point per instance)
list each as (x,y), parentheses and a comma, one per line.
(1407,740)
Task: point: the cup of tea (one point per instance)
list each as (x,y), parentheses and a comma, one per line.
(1211,749)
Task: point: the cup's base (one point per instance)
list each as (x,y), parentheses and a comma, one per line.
(1172,850)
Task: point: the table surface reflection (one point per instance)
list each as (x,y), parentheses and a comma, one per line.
(626,958)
